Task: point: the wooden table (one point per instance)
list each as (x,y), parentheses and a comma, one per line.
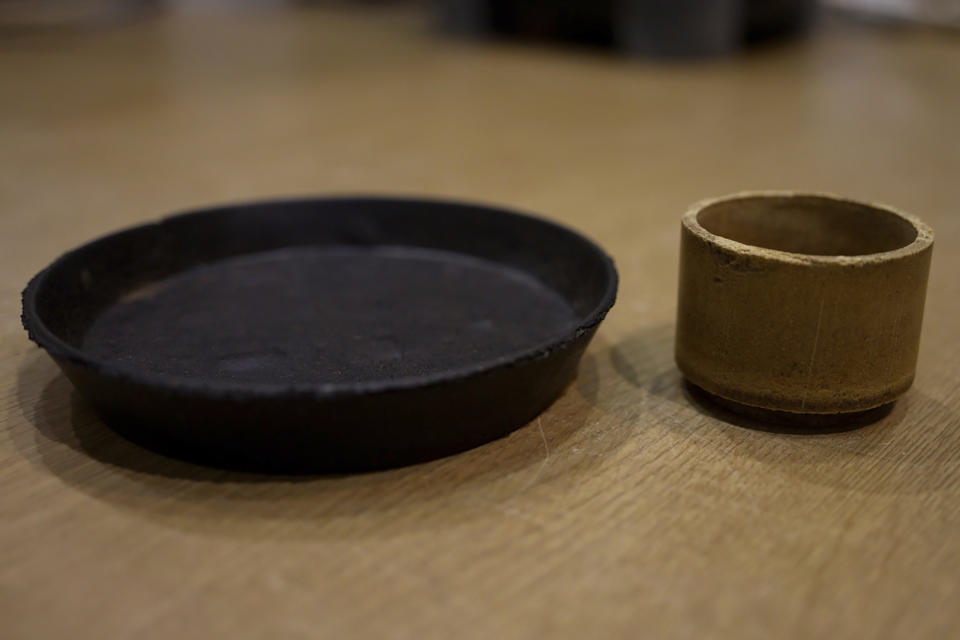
(626,510)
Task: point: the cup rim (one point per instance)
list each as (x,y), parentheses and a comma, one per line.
(923,241)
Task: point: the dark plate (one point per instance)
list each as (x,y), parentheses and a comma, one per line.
(323,335)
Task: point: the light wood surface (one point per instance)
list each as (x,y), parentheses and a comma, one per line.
(626,510)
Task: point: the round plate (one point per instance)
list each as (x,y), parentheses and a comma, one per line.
(336,334)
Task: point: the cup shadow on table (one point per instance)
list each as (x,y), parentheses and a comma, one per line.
(902,447)
(70,441)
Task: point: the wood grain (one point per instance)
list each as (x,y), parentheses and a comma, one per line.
(627,509)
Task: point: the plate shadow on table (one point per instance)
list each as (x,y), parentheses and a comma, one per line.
(901,447)
(70,441)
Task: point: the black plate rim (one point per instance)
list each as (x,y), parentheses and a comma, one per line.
(50,342)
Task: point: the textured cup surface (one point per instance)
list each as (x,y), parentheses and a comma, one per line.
(800,302)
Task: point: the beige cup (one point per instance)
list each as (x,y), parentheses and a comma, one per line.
(804,303)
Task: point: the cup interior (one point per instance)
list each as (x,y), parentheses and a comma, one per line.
(814,225)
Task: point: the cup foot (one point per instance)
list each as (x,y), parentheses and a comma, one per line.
(762,419)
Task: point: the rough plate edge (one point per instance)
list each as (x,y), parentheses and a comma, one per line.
(47,340)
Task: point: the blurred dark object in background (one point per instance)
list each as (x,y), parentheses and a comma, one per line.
(661,28)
